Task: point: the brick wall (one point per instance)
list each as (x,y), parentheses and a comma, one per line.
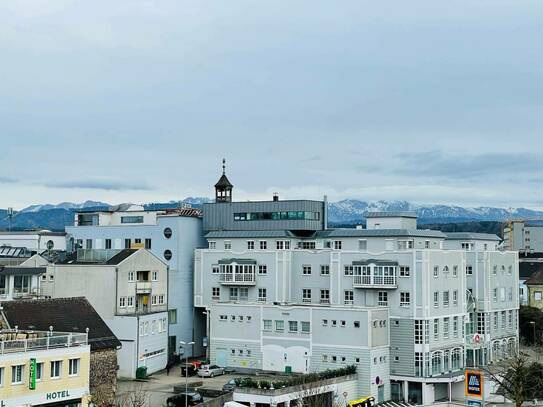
(103,376)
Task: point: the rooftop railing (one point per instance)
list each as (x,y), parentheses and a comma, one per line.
(17,341)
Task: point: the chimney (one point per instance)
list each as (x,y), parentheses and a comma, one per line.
(275,196)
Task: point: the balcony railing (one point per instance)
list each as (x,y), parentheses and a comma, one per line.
(13,343)
(143,287)
(237,278)
(374,281)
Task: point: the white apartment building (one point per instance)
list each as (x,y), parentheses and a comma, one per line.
(427,304)
(128,289)
(34,240)
(172,235)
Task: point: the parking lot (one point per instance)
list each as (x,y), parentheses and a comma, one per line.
(158,387)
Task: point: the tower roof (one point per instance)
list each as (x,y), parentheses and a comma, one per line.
(223,182)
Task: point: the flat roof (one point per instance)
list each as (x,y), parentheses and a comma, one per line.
(391,214)
(323,234)
(472,236)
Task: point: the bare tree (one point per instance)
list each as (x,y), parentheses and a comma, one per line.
(518,378)
(310,395)
(138,397)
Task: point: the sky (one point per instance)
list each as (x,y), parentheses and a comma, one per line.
(139,100)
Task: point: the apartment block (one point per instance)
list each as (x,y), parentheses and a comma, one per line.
(438,294)
(44,368)
(523,236)
(170,234)
(129,290)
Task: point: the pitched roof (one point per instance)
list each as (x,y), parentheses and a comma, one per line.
(223,182)
(74,314)
(105,261)
(472,236)
(536,278)
(17,270)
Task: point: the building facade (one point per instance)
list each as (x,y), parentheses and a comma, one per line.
(172,235)
(35,241)
(447,301)
(40,368)
(523,236)
(129,290)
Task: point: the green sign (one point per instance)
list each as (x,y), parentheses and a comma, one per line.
(32,379)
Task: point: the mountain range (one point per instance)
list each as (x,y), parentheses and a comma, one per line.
(346,212)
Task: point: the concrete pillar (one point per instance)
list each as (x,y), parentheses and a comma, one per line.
(252,404)
(287,403)
(405,388)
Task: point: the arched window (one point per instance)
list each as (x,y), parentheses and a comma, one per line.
(456,359)
(436,363)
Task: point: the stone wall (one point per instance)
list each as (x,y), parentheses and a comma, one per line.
(103,376)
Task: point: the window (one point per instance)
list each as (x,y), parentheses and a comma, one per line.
(154,276)
(502,294)
(445,269)
(356,324)
(405,299)
(348,297)
(334,359)
(131,219)
(418,331)
(405,244)
(325,358)
(537,295)
(293,326)
(172,316)
(279,325)
(161,299)
(504,319)
(510,293)
(108,244)
(122,302)
(334,322)
(382,298)
(17,374)
(306,327)
(167,254)
(215,293)
(130,302)
(73,368)
(436,329)
(212,245)
(227,245)
(148,244)
(307,245)
(348,271)
(131,275)
(469,270)
(325,296)
(56,369)
(262,294)
(263,244)
(495,295)
(495,270)
(337,244)
(325,270)
(436,271)
(455,271)
(234,293)
(363,245)
(215,269)
(267,325)
(306,270)
(510,270)
(404,271)
(39,372)
(436,299)
(153,300)
(455,327)
(262,269)
(446,328)
(455,297)
(244,294)
(282,244)
(167,233)
(306,295)
(250,245)
(127,243)
(88,244)
(426,244)
(445,298)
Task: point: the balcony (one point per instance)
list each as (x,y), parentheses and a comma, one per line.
(12,341)
(374,281)
(143,287)
(247,278)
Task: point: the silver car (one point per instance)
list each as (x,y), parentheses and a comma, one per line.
(210,371)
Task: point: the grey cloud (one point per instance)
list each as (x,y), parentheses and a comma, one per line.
(103,184)
(456,165)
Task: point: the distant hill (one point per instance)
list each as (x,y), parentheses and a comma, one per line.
(346,213)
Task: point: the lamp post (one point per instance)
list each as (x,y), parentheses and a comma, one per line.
(182,345)
(533,326)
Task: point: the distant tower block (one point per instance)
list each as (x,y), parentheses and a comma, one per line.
(223,188)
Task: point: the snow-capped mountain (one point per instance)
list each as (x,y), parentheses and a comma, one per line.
(352,211)
(63,205)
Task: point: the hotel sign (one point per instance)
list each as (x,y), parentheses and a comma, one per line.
(32,376)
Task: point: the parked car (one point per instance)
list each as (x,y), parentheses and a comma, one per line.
(188,369)
(191,398)
(230,385)
(210,371)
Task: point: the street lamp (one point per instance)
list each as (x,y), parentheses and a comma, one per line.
(533,325)
(183,344)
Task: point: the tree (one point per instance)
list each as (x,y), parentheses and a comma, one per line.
(530,322)
(518,379)
(137,397)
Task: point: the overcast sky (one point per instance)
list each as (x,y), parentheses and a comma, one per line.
(132,100)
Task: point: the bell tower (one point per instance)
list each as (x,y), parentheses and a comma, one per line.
(223,187)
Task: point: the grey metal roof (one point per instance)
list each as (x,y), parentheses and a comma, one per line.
(249,234)
(398,214)
(237,261)
(381,233)
(379,262)
(17,271)
(472,236)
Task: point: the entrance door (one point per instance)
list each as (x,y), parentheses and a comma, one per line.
(171,346)
(222,359)
(381,394)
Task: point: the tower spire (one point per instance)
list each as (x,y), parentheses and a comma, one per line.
(223,188)
(224,166)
